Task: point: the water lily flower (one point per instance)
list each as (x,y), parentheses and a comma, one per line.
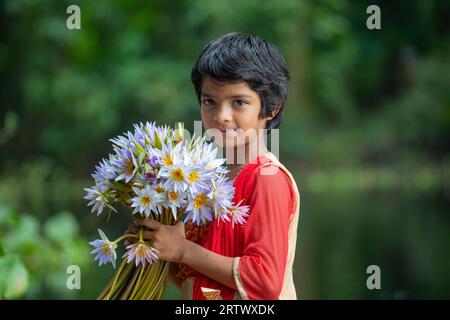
(163,132)
(221,194)
(153,161)
(98,196)
(141,253)
(125,164)
(238,213)
(177,176)
(174,200)
(146,201)
(178,133)
(104,171)
(199,208)
(121,141)
(105,250)
(150,176)
(167,155)
(198,178)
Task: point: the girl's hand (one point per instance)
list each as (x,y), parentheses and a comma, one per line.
(169,240)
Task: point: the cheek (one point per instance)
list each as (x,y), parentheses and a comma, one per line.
(250,121)
(208,123)
(206,118)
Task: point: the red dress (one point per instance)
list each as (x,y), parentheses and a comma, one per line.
(262,242)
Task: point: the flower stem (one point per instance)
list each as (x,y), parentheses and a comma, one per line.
(138,282)
(108,297)
(127,235)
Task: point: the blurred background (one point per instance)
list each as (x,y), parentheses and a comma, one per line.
(365,132)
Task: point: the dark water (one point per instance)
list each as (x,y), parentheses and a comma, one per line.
(406,234)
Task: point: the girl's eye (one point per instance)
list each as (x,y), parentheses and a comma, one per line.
(240,103)
(208,102)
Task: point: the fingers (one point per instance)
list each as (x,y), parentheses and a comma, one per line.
(133,228)
(149,223)
(129,241)
(148,235)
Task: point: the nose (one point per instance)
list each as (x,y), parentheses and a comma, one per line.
(223,114)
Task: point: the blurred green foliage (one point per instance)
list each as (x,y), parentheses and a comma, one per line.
(35,255)
(368,116)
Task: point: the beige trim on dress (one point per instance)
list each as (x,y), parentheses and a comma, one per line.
(237,279)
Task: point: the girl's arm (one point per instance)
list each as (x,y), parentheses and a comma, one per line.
(211,264)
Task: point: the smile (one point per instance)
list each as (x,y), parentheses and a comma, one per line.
(228,131)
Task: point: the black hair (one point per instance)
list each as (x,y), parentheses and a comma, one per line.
(236,57)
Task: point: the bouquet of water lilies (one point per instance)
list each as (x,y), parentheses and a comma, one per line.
(159,173)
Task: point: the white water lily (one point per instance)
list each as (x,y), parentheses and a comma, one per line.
(221,194)
(98,197)
(146,201)
(199,208)
(176,176)
(141,253)
(168,154)
(175,200)
(238,213)
(125,164)
(105,250)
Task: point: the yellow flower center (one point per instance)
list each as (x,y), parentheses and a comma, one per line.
(167,160)
(159,189)
(141,250)
(129,166)
(106,248)
(194,176)
(200,201)
(146,201)
(173,196)
(177,174)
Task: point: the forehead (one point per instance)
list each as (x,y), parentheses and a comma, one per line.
(213,87)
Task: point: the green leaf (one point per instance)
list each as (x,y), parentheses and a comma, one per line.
(158,143)
(14,279)
(139,147)
(141,152)
(141,158)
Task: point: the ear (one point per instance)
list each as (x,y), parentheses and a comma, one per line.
(274,113)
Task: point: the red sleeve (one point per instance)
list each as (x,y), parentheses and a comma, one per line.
(263,264)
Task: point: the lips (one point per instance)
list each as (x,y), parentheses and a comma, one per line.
(227,129)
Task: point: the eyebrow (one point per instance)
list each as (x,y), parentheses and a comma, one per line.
(237,96)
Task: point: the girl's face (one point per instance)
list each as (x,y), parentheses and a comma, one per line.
(232,109)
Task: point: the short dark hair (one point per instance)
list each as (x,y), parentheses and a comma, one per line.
(238,57)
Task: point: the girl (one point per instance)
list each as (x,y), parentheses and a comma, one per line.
(241,83)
